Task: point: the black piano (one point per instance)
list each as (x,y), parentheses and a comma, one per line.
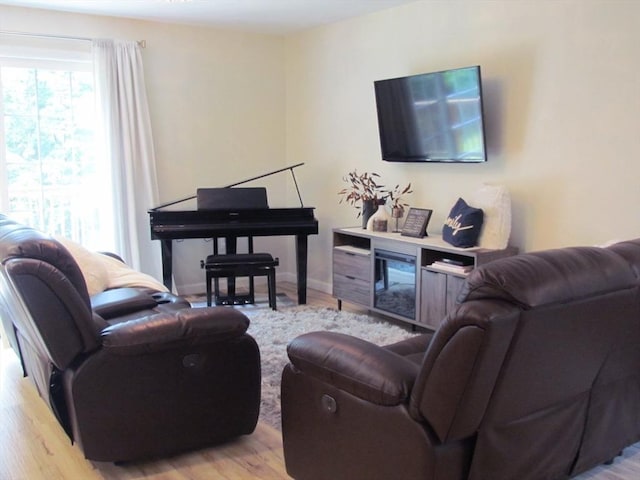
(231,223)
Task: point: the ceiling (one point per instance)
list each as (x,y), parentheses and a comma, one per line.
(264,16)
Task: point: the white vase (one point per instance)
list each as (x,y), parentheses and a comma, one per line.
(379,221)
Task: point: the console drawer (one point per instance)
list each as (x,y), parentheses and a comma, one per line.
(354,263)
(352,289)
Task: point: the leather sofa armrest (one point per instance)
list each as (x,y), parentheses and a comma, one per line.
(361,368)
(165,331)
(127,301)
(120,301)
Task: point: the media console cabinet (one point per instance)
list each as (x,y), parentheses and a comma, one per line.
(415,280)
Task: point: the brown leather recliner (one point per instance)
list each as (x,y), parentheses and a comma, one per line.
(130,373)
(535,375)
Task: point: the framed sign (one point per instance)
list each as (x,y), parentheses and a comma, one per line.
(416,223)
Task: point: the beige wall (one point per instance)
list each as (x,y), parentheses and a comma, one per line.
(561,83)
(217,104)
(561,96)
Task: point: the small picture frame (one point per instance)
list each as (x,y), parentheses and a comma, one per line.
(416,222)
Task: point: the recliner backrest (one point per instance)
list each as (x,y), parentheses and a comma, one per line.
(630,251)
(532,335)
(18,241)
(45,294)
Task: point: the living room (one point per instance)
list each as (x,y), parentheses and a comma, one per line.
(226,105)
(561,110)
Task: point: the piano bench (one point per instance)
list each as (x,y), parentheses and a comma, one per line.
(241,265)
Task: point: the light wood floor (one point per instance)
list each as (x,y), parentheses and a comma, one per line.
(34,447)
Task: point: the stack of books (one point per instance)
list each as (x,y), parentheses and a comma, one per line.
(451,266)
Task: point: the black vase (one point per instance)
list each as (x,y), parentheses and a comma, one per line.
(369,207)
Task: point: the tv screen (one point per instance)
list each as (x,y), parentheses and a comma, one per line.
(432,117)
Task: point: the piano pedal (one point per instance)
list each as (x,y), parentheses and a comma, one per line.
(235,300)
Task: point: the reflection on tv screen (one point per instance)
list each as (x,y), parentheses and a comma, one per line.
(432,117)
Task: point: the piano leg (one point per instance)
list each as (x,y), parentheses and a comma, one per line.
(231,247)
(301,264)
(166,248)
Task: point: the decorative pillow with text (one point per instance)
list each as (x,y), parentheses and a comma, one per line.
(462,226)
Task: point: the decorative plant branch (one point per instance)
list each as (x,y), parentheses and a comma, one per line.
(394,196)
(362,187)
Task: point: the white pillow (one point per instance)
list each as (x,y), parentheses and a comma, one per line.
(93,269)
(121,275)
(495,202)
(102,272)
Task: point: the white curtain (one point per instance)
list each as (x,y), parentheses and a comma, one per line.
(128,146)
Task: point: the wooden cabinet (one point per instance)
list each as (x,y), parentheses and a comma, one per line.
(454,287)
(438,295)
(361,272)
(352,274)
(433,296)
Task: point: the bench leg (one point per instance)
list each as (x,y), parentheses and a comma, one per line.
(252,290)
(271,279)
(208,276)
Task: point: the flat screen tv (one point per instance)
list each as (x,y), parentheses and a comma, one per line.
(432,117)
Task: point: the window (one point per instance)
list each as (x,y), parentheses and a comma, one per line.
(51,175)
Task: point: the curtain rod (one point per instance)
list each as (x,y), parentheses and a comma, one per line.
(142,43)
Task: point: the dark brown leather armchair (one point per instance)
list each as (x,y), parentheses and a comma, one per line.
(536,375)
(130,373)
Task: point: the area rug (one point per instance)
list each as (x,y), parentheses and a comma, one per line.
(273,330)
